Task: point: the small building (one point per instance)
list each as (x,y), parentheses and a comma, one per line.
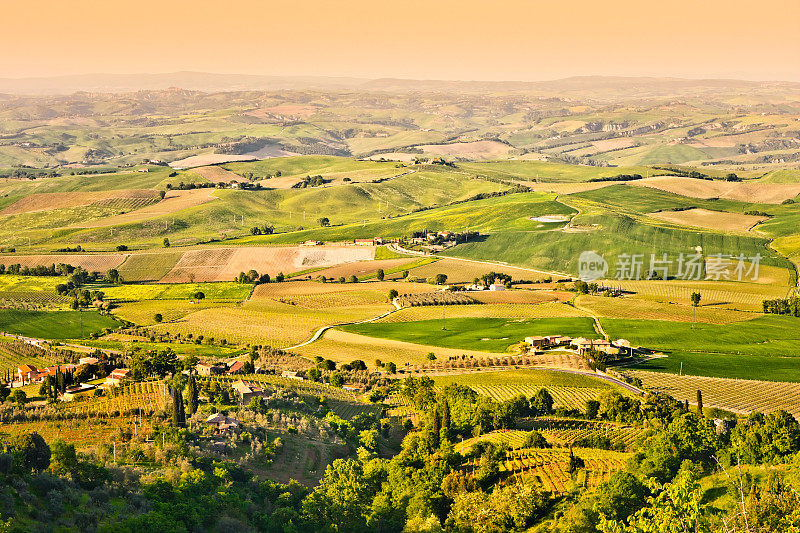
(84,389)
(292,375)
(209,369)
(237,367)
(88,361)
(538,342)
(143,170)
(624,346)
(311,243)
(117,377)
(365,242)
(497,287)
(417,240)
(245,392)
(354,387)
(599,345)
(54,370)
(27,373)
(222,423)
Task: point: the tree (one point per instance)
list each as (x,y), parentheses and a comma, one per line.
(353,278)
(19,397)
(380,274)
(440,279)
(392,295)
(695,302)
(122,248)
(113,276)
(192,395)
(534,439)
(592,409)
(324,221)
(542,402)
(199,295)
(31,453)
(390,367)
(166,242)
(699,403)
(158,318)
(337,380)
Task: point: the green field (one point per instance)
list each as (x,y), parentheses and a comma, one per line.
(224,290)
(53,324)
(483,334)
(769,335)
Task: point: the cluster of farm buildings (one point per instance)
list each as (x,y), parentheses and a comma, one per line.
(582,346)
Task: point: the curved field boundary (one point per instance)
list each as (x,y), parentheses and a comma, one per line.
(323,329)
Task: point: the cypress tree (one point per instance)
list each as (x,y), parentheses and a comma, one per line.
(699,403)
(191,395)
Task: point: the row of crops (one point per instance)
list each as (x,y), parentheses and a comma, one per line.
(550,467)
(567,397)
(737,395)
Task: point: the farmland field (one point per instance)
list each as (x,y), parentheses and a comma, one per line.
(487,334)
(568,389)
(738,395)
(226,290)
(54,324)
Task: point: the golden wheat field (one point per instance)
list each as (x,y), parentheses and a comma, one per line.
(224,264)
(542,310)
(715,220)
(130,198)
(646,309)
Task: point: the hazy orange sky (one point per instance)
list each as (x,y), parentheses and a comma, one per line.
(431,39)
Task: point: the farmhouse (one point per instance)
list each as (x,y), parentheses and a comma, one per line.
(368,242)
(27,373)
(292,375)
(222,423)
(497,287)
(247,391)
(54,370)
(237,367)
(117,377)
(537,342)
(84,389)
(600,345)
(88,361)
(209,369)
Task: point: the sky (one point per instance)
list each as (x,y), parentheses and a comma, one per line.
(417,39)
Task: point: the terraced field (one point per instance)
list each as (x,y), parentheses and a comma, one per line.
(568,390)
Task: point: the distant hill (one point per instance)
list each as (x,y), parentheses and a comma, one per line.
(211,82)
(199,81)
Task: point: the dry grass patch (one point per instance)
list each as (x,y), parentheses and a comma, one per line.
(519,297)
(216,174)
(275,291)
(224,264)
(365,268)
(469,150)
(92,263)
(751,192)
(124,199)
(173,202)
(715,220)
(461,271)
(640,308)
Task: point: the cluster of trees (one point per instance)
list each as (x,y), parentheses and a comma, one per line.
(310,181)
(266,229)
(252,276)
(493,277)
(620,177)
(783,306)
(16,269)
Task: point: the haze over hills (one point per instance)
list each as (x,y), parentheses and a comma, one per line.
(217,82)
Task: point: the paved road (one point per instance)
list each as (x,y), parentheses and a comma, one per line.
(323,329)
